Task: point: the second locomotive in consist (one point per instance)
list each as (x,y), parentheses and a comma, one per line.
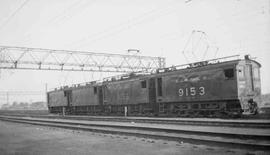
(207,88)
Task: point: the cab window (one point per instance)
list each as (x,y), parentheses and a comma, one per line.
(159,86)
(95,90)
(229,73)
(143,84)
(256,73)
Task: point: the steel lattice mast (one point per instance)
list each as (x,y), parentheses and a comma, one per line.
(65,60)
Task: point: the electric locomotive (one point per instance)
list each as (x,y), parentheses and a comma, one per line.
(213,88)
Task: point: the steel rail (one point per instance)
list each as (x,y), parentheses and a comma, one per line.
(250,141)
(177,121)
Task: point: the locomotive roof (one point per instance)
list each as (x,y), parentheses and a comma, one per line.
(214,63)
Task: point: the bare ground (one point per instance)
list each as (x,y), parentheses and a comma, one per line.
(26,139)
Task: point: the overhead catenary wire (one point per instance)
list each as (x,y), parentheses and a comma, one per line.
(82,5)
(13,14)
(157,12)
(64,15)
(70,11)
(64,11)
(84,40)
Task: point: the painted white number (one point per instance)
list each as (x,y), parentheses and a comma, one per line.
(181,92)
(202,92)
(191,91)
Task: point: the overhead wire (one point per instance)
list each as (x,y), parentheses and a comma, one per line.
(122,26)
(13,14)
(239,17)
(57,19)
(65,11)
(28,34)
(75,11)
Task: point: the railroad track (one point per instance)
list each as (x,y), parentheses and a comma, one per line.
(177,121)
(249,138)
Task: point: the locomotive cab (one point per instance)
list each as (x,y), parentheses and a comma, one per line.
(249,85)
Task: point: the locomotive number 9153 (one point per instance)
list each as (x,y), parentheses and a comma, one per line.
(192,91)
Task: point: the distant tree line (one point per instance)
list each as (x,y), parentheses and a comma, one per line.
(25,106)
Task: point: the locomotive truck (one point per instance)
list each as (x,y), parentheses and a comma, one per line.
(213,88)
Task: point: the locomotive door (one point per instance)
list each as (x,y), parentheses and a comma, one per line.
(68,95)
(152,94)
(100,95)
(250,76)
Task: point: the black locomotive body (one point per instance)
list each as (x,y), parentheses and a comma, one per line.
(199,89)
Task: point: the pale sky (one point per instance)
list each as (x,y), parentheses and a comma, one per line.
(155,27)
